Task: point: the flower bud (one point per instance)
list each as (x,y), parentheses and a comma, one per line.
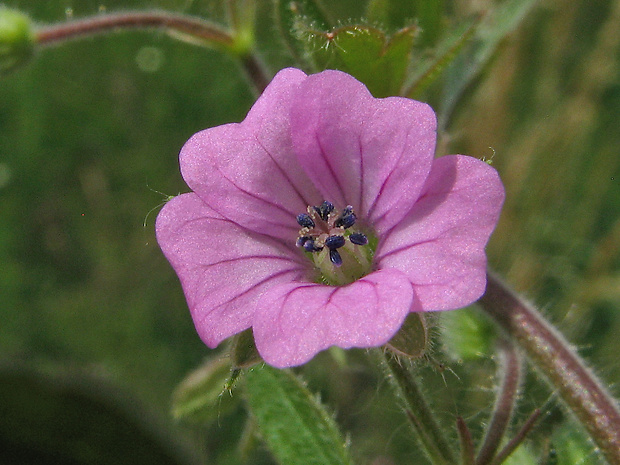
(17,39)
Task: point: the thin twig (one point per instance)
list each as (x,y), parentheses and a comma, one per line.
(511,368)
(517,439)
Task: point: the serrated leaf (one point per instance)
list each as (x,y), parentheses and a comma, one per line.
(365,53)
(204,395)
(290,13)
(293,423)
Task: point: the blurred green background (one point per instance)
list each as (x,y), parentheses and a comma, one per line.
(89,137)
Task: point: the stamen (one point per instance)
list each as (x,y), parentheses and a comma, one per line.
(347,219)
(358,239)
(335,257)
(324,209)
(334,242)
(305,221)
(301,240)
(325,233)
(310,246)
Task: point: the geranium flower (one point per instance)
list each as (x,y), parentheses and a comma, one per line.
(323,219)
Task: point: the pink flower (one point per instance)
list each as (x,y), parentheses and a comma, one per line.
(256,245)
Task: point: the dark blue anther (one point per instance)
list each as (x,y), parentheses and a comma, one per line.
(305,221)
(324,209)
(334,242)
(347,218)
(301,241)
(358,239)
(310,246)
(335,257)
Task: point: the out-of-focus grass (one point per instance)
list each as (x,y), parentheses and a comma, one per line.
(549,109)
(86,135)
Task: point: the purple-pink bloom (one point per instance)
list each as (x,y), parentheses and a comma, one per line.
(237,247)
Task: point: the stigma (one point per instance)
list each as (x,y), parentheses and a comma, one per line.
(324,231)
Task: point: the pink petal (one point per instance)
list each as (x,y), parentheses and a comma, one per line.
(247,172)
(373,154)
(223,268)
(294,321)
(440,245)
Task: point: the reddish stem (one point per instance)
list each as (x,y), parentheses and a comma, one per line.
(76,29)
(551,354)
(195,27)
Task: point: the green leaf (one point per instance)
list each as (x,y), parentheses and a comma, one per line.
(572,446)
(364,52)
(428,68)
(205,394)
(523,455)
(430,19)
(294,424)
(289,14)
(493,29)
(427,14)
(392,13)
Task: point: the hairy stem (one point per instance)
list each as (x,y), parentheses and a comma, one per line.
(511,367)
(201,31)
(419,412)
(102,23)
(551,354)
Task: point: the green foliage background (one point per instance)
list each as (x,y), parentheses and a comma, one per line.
(89,137)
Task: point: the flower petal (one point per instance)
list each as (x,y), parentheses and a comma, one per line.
(247,172)
(223,268)
(294,321)
(373,154)
(440,245)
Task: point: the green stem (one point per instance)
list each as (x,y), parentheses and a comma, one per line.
(420,415)
(551,354)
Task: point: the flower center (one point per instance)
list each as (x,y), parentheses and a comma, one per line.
(336,248)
